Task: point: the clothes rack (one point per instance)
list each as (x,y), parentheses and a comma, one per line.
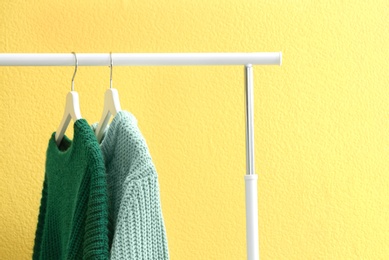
(176,59)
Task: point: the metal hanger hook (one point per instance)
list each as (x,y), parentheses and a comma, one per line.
(111,65)
(75,70)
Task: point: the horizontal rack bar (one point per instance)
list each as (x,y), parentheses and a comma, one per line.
(140,59)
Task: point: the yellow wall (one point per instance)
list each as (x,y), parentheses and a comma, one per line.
(321,119)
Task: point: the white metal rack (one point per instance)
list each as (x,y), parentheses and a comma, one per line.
(174,59)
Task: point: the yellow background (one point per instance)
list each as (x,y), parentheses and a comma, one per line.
(321,119)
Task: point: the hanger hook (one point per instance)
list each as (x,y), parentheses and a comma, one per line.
(75,70)
(111,65)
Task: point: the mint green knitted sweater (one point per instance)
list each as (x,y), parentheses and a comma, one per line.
(133,190)
(73,215)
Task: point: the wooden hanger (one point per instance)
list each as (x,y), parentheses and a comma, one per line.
(111,107)
(72,109)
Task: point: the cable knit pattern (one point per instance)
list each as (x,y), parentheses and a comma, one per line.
(73,215)
(133,189)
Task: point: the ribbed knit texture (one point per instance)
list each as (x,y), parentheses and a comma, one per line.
(73,215)
(135,208)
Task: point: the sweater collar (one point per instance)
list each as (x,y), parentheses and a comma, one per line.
(67,146)
(112,131)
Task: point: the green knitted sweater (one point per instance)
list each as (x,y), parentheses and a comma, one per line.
(133,189)
(73,215)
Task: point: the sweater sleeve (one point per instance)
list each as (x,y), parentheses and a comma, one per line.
(140,232)
(96,236)
(41,223)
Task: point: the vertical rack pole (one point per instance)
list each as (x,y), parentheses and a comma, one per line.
(250,177)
